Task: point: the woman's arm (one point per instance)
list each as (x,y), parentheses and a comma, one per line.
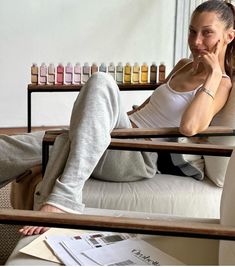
(212,96)
(203,108)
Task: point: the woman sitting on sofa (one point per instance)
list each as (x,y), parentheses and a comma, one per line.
(193,93)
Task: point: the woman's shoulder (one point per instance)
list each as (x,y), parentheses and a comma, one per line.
(182,62)
(178,66)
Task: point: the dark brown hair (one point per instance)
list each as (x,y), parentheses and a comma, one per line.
(226,13)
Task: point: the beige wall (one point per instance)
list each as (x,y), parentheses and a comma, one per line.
(75,31)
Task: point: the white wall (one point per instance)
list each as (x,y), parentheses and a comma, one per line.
(75,31)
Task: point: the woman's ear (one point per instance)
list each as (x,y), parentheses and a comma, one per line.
(230,35)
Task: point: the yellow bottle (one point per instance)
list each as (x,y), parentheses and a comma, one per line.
(144,73)
(127,73)
(34,74)
(136,73)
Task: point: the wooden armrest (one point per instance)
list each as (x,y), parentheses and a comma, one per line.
(169,132)
(143,145)
(118,224)
(151,133)
(171,147)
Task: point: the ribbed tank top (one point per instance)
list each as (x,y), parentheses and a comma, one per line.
(164,109)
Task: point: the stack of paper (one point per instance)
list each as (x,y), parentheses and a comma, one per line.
(95,248)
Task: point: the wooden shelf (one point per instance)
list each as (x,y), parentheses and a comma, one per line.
(77,87)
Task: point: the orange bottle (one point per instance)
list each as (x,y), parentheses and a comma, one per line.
(94,68)
(162,73)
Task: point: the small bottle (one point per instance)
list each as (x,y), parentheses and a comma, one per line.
(34,74)
(103,68)
(69,73)
(127,73)
(144,73)
(51,74)
(77,73)
(85,72)
(161,72)
(119,73)
(136,73)
(60,74)
(94,68)
(153,73)
(43,74)
(111,70)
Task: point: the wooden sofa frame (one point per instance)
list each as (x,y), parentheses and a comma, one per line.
(120,140)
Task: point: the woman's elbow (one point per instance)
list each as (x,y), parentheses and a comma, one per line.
(189,130)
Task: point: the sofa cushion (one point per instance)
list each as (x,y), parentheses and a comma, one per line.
(227,214)
(215,167)
(164,194)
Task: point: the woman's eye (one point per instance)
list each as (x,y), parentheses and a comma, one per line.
(207,33)
(192,32)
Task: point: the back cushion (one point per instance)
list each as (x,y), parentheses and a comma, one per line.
(215,167)
(227,214)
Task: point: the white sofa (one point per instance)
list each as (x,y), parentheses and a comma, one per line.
(168,194)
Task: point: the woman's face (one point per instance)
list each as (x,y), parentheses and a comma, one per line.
(205,31)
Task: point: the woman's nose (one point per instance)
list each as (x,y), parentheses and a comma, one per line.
(198,39)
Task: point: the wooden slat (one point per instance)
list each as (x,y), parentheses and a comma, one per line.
(160,132)
(173,147)
(118,224)
(169,132)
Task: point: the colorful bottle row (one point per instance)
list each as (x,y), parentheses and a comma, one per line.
(80,74)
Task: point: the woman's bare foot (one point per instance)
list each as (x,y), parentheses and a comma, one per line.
(37,230)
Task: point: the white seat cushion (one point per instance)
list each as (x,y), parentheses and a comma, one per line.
(165,194)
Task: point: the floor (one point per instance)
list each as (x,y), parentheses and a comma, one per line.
(20,130)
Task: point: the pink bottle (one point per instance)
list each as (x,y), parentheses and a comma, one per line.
(77,73)
(43,74)
(51,74)
(60,74)
(69,73)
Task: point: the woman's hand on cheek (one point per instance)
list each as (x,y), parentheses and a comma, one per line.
(210,60)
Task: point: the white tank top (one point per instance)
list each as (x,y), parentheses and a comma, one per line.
(164,109)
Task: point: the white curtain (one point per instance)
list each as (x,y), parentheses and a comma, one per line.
(184,9)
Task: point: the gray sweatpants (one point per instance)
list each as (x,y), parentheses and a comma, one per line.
(82,153)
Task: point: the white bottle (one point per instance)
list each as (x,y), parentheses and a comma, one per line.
(43,74)
(77,73)
(111,70)
(85,72)
(51,74)
(69,73)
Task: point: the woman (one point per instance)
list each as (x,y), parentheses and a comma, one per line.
(199,88)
